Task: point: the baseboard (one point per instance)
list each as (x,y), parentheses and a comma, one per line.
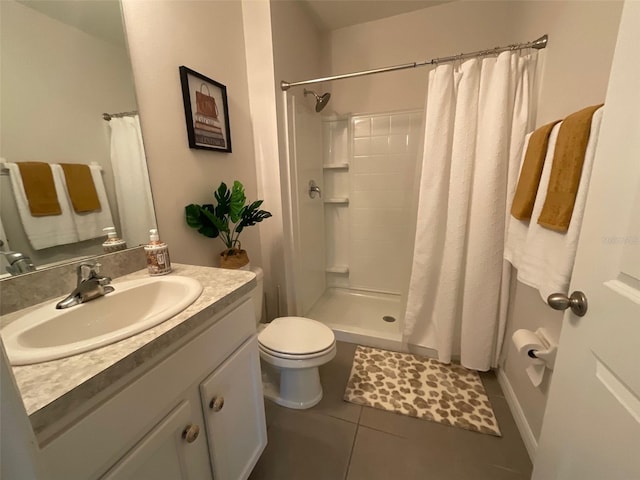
(526,433)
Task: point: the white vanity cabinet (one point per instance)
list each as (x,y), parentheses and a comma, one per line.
(198,414)
(234,413)
(172,450)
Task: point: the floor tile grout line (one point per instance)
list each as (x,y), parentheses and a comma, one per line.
(384,431)
(507,469)
(353,446)
(352,422)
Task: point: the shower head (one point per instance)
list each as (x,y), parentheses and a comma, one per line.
(321,100)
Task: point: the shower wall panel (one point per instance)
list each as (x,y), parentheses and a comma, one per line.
(309,223)
(381,186)
(336,182)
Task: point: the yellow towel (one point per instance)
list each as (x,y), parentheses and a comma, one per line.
(81,188)
(530,173)
(566,170)
(37,180)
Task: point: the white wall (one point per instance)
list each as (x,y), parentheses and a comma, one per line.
(421,35)
(581,39)
(575,74)
(206,36)
(56,83)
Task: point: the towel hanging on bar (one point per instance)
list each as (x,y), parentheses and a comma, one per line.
(82,191)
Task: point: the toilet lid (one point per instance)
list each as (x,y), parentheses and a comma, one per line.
(296,336)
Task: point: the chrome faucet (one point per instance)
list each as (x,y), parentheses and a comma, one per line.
(19,263)
(313,189)
(90,285)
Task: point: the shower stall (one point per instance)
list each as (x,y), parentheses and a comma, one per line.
(353,185)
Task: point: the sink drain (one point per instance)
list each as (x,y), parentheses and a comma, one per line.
(389,318)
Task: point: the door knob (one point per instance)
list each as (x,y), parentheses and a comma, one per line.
(577,302)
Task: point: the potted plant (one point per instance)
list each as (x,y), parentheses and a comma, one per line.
(227,220)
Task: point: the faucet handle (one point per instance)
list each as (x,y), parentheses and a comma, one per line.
(87,270)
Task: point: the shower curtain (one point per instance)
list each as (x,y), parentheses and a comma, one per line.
(477,115)
(133,191)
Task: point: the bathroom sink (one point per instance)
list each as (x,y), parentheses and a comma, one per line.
(136,305)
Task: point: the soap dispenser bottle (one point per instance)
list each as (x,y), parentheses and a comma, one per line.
(157,252)
(113,243)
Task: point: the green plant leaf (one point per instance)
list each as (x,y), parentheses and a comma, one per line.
(196,217)
(192,214)
(237,202)
(222,224)
(228,217)
(223,197)
(251,215)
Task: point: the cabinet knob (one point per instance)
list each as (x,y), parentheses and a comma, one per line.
(190,433)
(216,403)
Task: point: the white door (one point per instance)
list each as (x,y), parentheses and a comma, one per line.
(591,428)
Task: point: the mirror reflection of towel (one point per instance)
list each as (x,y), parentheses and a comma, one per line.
(82,190)
(37,181)
(49,230)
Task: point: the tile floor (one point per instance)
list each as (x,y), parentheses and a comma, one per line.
(336,440)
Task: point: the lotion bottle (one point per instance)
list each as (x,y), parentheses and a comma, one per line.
(113,243)
(157,252)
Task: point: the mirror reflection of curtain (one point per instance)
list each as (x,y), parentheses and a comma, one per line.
(4,247)
(135,204)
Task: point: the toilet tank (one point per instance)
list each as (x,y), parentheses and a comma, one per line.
(256,294)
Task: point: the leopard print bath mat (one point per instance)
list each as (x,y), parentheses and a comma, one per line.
(420,387)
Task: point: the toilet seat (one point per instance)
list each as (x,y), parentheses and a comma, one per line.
(296,338)
(294,356)
(298,363)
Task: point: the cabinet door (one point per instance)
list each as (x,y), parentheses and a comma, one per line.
(170,451)
(234,413)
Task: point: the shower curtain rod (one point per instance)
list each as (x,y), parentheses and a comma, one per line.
(109,116)
(538,44)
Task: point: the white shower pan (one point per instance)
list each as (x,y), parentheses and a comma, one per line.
(357,316)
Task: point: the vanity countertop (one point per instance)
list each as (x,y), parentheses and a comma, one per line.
(50,390)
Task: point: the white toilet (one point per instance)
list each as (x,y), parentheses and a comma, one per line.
(291,350)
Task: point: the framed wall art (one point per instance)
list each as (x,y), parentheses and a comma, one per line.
(206,111)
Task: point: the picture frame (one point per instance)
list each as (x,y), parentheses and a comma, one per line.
(206,111)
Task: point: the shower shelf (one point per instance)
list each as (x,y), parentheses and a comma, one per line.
(336,166)
(342,269)
(337,201)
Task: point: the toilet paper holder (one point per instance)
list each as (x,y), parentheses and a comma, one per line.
(548,355)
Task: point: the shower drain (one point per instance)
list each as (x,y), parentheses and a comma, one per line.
(389,318)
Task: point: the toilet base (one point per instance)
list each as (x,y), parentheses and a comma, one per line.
(298,388)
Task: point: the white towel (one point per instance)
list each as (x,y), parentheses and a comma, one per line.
(545,259)
(90,224)
(48,231)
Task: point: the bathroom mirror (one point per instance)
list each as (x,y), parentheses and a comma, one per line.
(64,65)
